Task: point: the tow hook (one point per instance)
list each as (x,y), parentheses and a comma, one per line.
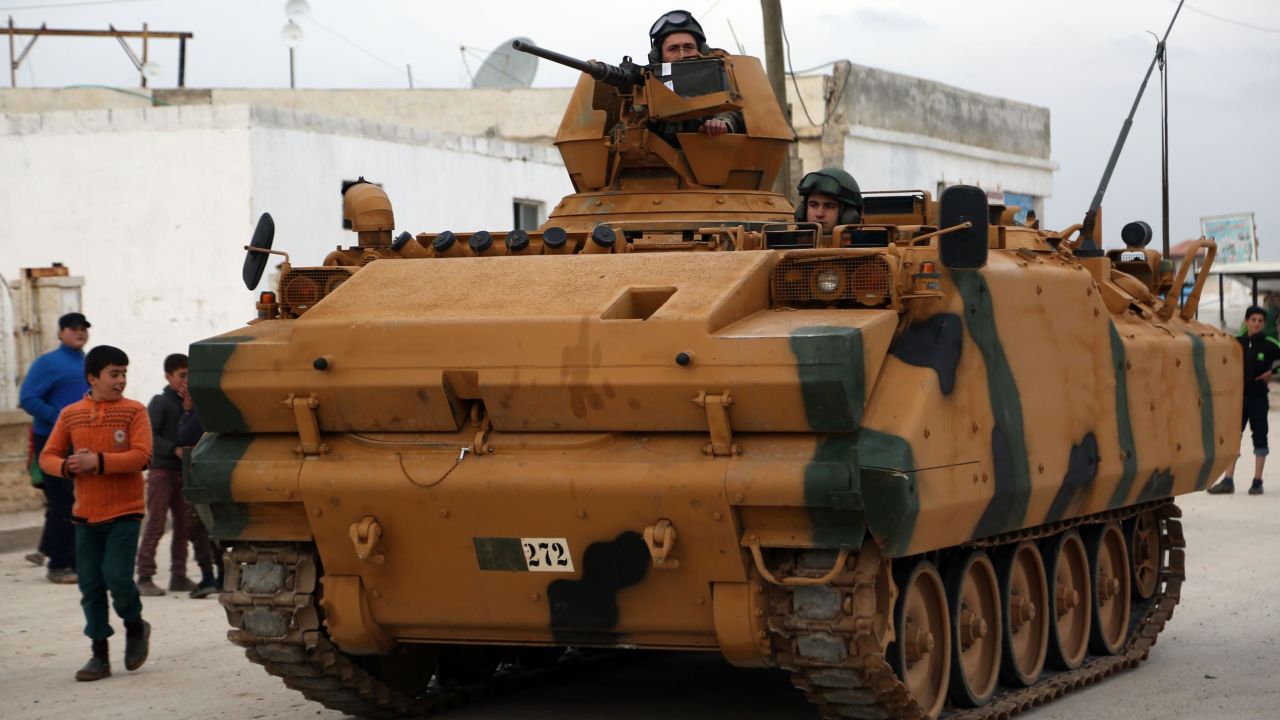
(660,539)
(365,536)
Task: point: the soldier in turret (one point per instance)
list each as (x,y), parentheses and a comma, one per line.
(829,197)
(677,36)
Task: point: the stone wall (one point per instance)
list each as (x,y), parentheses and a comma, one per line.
(16,492)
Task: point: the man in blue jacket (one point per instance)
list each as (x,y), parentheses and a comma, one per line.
(55,380)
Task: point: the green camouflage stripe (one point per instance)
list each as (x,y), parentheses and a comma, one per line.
(889,491)
(1206,410)
(831,494)
(207,360)
(208,484)
(1128,453)
(829,361)
(1012,494)
(831,370)
(1159,485)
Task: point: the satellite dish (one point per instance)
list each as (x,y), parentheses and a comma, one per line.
(507,68)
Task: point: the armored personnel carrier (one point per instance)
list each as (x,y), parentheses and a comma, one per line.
(925,463)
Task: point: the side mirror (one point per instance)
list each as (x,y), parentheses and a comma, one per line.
(964,249)
(255,258)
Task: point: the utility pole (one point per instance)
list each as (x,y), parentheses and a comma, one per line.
(775,68)
(16,58)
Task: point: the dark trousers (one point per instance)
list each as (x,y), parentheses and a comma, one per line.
(58,539)
(1254,416)
(164,496)
(105,554)
(205,552)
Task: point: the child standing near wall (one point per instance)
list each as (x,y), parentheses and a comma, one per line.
(164,483)
(102,443)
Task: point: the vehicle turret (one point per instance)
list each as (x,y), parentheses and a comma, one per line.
(632,149)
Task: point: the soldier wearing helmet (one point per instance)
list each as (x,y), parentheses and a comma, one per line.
(674,37)
(829,197)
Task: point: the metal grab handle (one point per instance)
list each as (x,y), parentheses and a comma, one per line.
(841,558)
(1193,298)
(1192,304)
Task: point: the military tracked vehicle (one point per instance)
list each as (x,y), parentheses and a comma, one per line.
(925,463)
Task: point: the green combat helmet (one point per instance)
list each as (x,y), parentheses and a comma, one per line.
(838,184)
(673,22)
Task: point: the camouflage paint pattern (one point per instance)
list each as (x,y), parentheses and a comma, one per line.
(500,415)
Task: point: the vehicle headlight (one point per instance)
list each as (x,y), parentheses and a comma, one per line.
(828,281)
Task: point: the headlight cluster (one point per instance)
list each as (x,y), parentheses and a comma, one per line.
(301,288)
(808,281)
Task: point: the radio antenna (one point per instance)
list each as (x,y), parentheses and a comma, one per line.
(1089,245)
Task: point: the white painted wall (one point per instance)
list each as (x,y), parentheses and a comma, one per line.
(8,350)
(133,201)
(886,160)
(152,206)
(435,181)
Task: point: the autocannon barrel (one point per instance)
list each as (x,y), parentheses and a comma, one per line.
(625,76)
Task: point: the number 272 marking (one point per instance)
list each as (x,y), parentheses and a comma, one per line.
(547,555)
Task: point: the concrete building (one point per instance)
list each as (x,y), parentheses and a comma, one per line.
(891,131)
(152,205)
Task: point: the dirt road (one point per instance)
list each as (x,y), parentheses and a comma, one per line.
(1219,657)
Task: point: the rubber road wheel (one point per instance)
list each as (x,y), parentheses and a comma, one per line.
(1109,572)
(1070,611)
(1024,602)
(921,651)
(973,594)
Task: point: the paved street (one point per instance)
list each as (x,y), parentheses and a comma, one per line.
(1217,659)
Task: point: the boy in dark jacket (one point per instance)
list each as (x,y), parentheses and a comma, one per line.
(164,483)
(102,443)
(1261,353)
(189,433)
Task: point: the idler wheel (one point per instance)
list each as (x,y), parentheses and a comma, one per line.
(974,597)
(1024,600)
(921,651)
(1070,611)
(1109,571)
(1144,542)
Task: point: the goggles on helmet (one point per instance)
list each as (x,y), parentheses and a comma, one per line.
(675,21)
(817,182)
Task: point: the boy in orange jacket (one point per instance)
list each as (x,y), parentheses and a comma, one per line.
(103,443)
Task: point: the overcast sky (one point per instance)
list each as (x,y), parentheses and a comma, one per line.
(1083,59)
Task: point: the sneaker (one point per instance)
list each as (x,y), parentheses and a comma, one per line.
(96,669)
(1256,487)
(203,590)
(136,646)
(148,588)
(181,583)
(1225,486)
(65,576)
(35,558)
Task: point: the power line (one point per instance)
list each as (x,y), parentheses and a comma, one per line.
(83,3)
(795,83)
(398,70)
(1230,21)
(812,69)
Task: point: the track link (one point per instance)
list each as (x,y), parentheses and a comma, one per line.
(274,615)
(833,638)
